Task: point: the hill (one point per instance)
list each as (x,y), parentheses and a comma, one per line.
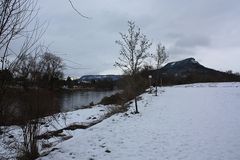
(95,78)
(190,71)
(102,82)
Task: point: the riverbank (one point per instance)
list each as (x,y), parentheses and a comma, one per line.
(54,130)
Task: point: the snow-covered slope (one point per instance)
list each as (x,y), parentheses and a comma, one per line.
(189,122)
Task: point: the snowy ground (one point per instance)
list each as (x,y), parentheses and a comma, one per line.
(190,122)
(10,141)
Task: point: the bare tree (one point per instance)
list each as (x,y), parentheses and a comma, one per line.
(51,65)
(37,102)
(134,50)
(38,67)
(27,67)
(15,17)
(18,24)
(160,57)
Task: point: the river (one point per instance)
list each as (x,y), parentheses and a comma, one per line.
(71,101)
(31,104)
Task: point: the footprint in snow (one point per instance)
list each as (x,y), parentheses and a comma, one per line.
(107,151)
(103,146)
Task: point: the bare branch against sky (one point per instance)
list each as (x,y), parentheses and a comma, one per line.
(76,10)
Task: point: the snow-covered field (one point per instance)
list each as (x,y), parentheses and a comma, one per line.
(188,122)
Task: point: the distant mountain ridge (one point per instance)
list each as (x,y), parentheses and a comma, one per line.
(91,78)
(179,72)
(191,71)
(183,67)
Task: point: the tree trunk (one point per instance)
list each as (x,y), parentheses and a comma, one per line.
(156,90)
(157,83)
(136,106)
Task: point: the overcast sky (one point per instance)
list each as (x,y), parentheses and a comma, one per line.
(208,30)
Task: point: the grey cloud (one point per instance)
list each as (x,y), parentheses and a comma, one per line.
(180,52)
(192,41)
(183,26)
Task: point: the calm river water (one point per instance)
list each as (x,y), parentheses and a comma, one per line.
(75,100)
(24,106)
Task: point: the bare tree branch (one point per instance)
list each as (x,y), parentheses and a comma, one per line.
(79,13)
(160,55)
(133,52)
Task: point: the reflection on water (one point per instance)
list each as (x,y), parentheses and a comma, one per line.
(77,99)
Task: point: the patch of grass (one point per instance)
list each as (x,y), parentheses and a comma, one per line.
(116,109)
